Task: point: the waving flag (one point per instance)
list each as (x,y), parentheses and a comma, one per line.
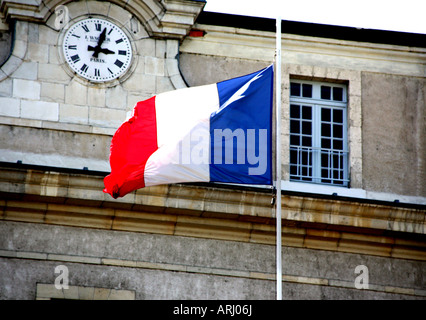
(214,133)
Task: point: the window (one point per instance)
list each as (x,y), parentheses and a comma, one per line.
(318,133)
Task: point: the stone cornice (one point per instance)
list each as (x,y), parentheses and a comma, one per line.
(33,10)
(178,17)
(215,201)
(307,50)
(216,212)
(163,19)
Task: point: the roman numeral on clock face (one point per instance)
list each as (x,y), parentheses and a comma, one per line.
(84,68)
(75,58)
(118,63)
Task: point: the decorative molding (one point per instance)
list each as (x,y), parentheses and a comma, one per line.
(214,213)
(19,51)
(170,19)
(308,51)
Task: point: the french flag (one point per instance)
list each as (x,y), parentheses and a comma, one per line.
(214,133)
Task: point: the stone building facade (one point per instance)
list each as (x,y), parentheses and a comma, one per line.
(357,234)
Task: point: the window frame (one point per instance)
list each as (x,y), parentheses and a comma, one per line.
(317,103)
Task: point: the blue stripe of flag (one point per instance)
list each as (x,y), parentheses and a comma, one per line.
(244,124)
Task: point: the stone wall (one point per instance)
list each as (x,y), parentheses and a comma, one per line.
(174,267)
(38,86)
(394,133)
(41,97)
(201,242)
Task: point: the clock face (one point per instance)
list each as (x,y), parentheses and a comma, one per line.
(97,50)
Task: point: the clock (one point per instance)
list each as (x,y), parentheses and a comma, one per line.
(97,50)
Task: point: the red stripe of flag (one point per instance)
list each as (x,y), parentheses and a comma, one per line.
(132,145)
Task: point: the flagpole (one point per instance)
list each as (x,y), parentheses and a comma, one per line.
(278,156)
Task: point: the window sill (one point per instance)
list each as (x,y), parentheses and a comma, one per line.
(312,188)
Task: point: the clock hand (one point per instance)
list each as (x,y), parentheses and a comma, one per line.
(101,38)
(98,48)
(106,51)
(101,50)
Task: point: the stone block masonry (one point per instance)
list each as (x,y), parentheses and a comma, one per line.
(196,268)
(35,83)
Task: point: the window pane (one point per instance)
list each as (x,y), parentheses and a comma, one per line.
(295,89)
(326,143)
(307,90)
(337,174)
(294,126)
(307,141)
(338,115)
(294,140)
(325,92)
(306,127)
(338,94)
(325,174)
(326,130)
(325,114)
(294,111)
(338,131)
(307,112)
(337,161)
(293,156)
(303,158)
(324,160)
(338,144)
(307,173)
(306,157)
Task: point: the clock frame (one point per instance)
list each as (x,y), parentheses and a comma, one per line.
(97,50)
